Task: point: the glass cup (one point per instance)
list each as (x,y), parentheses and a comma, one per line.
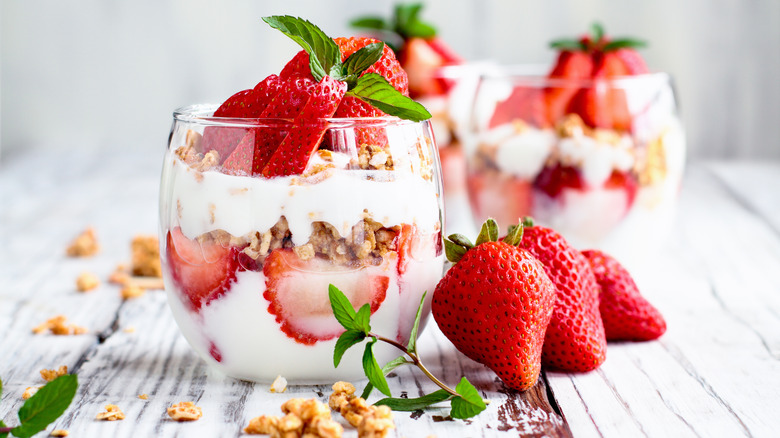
(600,161)
(247,259)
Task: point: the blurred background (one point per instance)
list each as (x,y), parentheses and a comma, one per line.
(108,74)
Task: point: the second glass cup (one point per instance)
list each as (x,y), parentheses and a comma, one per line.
(247,260)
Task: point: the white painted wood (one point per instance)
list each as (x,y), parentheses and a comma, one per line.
(716,372)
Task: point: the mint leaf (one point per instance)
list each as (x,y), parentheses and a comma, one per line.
(412,345)
(624,43)
(413,404)
(342,308)
(362,318)
(324,53)
(372,370)
(566,44)
(469,403)
(362,59)
(488,232)
(46,405)
(376,91)
(344,343)
(417,28)
(374,23)
(390,366)
(597,32)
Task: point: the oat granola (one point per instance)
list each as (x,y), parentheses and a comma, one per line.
(145,256)
(30,391)
(57,326)
(112,413)
(309,418)
(49,375)
(84,245)
(185,411)
(59,433)
(131,291)
(87,281)
(279,385)
(370,421)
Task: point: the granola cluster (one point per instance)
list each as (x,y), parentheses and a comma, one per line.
(370,421)
(87,281)
(145,256)
(374,157)
(58,326)
(185,411)
(84,245)
(49,375)
(310,418)
(112,413)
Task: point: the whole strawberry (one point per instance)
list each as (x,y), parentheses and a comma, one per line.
(575,338)
(495,303)
(627,315)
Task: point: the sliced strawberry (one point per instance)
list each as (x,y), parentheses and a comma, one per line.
(202,271)
(552,180)
(215,352)
(239,162)
(296,291)
(633,61)
(293,154)
(443,49)
(574,66)
(602,106)
(422,63)
(525,103)
(403,244)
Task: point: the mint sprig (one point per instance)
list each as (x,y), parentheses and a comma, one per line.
(43,407)
(465,399)
(596,42)
(404,24)
(325,60)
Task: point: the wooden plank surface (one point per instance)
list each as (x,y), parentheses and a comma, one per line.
(715,372)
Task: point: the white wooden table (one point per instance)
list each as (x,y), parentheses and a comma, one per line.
(716,372)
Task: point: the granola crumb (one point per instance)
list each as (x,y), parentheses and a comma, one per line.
(262,425)
(145,256)
(377,423)
(87,281)
(30,391)
(112,413)
(192,139)
(131,291)
(84,245)
(185,411)
(143,397)
(129,329)
(59,433)
(303,418)
(57,326)
(120,275)
(370,421)
(279,385)
(49,375)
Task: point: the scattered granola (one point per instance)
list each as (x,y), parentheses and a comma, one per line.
(129,329)
(49,375)
(30,391)
(310,418)
(145,256)
(87,281)
(370,421)
(131,291)
(120,275)
(143,397)
(59,433)
(84,245)
(262,425)
(279,384)
(58,326)
(112,413)
(185,411)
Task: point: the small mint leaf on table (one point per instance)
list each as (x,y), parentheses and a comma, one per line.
(372,370)
(344,343)
(469,403)
(362,318)
(342,308)
(412,345)
(46,405)
(323,52)
(390,366)
(413,404)
(374,89)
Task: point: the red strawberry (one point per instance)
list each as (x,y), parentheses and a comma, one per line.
(525,103)
(494,304)
(422,60)
(505,198)
(240,160)
(294,291)
(575,338)
(306,132)
(202,271)
(627,315)
(570,68)
(552,180)
(626,181)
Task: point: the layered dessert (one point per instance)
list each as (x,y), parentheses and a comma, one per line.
(594,149)
(288,188)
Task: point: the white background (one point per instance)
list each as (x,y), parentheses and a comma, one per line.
(108,73)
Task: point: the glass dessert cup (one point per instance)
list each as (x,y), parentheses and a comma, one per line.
(600,161)
(247,260)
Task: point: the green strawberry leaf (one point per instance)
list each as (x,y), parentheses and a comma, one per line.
(362,59)
(453,251)
(488,232)
(324,53)
(46,405)
(344,343)
(412,345)
(567,44)
(390,366)
(413,404)
(624,43)
(416,28)
(372,370)
(515,235)
(376,91)
(596,32)
(374,23)
(342,308)
(469,404)
(362,318)
(461,240)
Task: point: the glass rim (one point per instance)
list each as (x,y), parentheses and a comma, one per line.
(536,75)
(202,114)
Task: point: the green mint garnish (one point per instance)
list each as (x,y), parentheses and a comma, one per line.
(597,42)
(624,43)
(405,23)
(325,60)
(596,31)
(567,44)
(375,90)
(465,399)
(43,407)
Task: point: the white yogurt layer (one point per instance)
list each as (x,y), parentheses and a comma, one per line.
(210,200)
